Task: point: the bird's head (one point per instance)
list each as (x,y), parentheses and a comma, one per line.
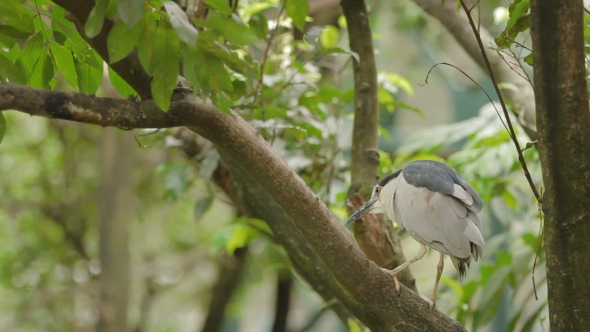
(381,198)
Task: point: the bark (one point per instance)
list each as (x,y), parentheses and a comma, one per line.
(230,274)
(456,23)
(374,235)
(116,202)
(557,28)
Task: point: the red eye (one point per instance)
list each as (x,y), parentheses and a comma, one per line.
(377,190)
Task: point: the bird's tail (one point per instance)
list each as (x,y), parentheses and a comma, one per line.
(461,264)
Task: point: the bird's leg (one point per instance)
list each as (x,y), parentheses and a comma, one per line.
(439,270)
(398,269)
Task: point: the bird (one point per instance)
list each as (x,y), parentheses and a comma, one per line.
(437,207)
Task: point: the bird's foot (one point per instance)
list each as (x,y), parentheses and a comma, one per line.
(393,274)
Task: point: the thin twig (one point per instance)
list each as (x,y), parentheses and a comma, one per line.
(518,43)
(517,63)
(474,82)
(501,99)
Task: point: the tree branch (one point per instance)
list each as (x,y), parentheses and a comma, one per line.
(457,24)
(359,283)
(374,235)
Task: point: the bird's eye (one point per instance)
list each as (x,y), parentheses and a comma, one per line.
(377,190)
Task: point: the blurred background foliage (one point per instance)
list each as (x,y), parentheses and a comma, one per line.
(290,77)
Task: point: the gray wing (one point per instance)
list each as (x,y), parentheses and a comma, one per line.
(440,178)
(440,214)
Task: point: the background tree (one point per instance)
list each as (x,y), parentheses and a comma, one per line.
(254,184)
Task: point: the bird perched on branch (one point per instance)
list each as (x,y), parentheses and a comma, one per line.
(438,209)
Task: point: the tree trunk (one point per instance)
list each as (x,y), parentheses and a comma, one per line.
(563,119)
(230,275)
(116,202)
(283,300)
(374,235)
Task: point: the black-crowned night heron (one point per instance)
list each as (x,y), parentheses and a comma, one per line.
(438,209)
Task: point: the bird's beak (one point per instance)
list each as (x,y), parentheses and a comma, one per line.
(366,208)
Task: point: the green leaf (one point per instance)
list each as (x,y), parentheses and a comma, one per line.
(162,88)
(147,47)
(254,8)
(167,67)
(166,47)
(531,240)
(342,22)
(95,20)
(120,84)
(89,67)
(194,69)
(510,200)
(59,37)
(329,36)
(32,52)
(222,100)
(218,75)
(529,59)
(121,41)
(240,237)
(202,206)
(2,126)
(17,16)
(384,133)
(517,9)
(386,99)
(61,24)
(235,32)
(10,35)
(65,62)
(43,73)
(231,59)
(410,108)
(259,24)
(519,21)
(353,326)
(454,285)
(11,71)
(221,5)
(181,24)
(130,11)
(297,10)
(401,82)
